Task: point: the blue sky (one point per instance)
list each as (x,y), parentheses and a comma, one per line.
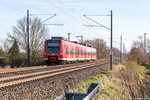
(131,18)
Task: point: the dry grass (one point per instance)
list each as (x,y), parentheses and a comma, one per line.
(124,82)
(109,88)
(132,79)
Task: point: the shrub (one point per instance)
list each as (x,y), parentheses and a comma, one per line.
(134,79)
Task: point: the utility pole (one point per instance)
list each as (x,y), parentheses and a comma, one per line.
(28,47)
(111,33)
(81,38)
(124,52)
(28,38)
(145,42)
(121,49)
(145,48)
(69,36)
(111,43)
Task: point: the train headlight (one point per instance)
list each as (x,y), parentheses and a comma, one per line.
(60,54)
(44,53)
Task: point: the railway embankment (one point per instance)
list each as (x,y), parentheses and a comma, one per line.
(48,87)
(124,82)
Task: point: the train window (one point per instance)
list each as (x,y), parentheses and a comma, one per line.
(81,52)
(68,50)
(52,49)
(84,52)
(71,50)
(76,51)
(53,44)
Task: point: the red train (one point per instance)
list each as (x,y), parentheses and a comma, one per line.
(58,50)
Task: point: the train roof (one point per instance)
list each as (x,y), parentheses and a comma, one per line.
(62,38)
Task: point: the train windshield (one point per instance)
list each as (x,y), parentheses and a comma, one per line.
(53,47)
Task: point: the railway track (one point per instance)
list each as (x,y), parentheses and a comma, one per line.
(17,79)
(26,70)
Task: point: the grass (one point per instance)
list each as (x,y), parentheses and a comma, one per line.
(108,87)
(122,83)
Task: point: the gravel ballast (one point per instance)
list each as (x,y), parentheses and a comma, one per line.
(48,87)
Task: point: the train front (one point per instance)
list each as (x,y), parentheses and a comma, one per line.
(52,50)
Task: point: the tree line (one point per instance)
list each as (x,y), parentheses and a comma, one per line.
(139,52)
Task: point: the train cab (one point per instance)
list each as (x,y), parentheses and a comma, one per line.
(52,49)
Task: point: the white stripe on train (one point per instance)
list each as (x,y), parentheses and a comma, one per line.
(71,59)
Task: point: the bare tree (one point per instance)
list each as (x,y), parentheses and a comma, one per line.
(6,45)
(100,46)
(137,55)
(37,34)
(139,43)
(138,51)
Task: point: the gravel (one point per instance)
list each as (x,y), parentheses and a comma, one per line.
(49,87)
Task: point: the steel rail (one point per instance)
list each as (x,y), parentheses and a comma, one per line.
(6,71)
(39,73)
(36,76)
